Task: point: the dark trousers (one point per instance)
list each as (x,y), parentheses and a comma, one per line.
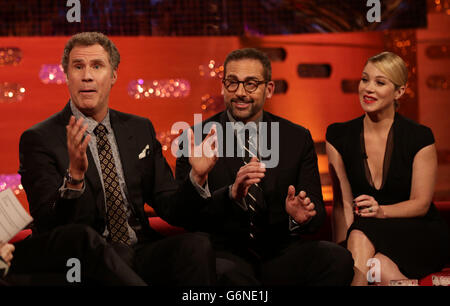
(180,260)
(43,259)
(303,263)
(185,259)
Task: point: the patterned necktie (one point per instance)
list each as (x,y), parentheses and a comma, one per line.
(115,211)
(255,195)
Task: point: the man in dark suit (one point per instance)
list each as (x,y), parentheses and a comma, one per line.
(261,202)
(92,165)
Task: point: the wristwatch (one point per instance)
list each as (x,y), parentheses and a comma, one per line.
(71,180)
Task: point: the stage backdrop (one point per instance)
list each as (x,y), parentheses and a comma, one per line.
(319,73)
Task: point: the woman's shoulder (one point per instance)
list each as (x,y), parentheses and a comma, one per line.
(341,129)
(343,134)
(416,135)
(411,125)
(413,128)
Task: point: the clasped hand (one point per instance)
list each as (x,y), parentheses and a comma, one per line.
(6,252)
(249,174)
(299,207)
(366,206)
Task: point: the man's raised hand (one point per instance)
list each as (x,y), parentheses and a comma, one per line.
(76,147)
(299,207)
(204,156)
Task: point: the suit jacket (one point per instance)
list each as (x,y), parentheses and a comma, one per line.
(44,160)
(297,166)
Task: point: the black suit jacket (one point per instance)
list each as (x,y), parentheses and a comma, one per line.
(297,166)
(44,160)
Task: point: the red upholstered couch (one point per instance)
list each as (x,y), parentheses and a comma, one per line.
(323,234)
(21,235)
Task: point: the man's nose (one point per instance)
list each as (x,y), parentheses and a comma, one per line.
(240,91)
(87,75)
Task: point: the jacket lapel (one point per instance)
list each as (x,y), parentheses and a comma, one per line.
(93,179)
(232,163)
(269,180)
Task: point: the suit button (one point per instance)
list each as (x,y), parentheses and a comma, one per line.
(252,236)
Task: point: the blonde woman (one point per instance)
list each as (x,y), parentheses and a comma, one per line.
(383,168)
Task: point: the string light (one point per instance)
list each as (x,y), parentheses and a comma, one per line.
(439,6)
(10,56)
(212,70)
(11,181)
(171,88)
(166,138)
(11,92)
(52,74)
(403,43)
(212,103)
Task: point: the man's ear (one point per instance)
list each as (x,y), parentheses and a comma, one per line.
(270,88)
(114,76)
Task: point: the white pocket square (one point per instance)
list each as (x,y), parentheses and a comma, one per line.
(143,154)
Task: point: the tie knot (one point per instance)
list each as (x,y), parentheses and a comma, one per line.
(248,138)
(100,129)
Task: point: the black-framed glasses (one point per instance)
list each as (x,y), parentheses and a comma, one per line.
(249,85)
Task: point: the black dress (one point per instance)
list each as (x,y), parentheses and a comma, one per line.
(420,245)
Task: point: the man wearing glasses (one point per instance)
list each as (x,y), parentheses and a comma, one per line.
(256,212)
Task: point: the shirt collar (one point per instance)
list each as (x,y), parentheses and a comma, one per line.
(92,124)
(238,127)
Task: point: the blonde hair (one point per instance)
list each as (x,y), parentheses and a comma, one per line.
(393,66)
